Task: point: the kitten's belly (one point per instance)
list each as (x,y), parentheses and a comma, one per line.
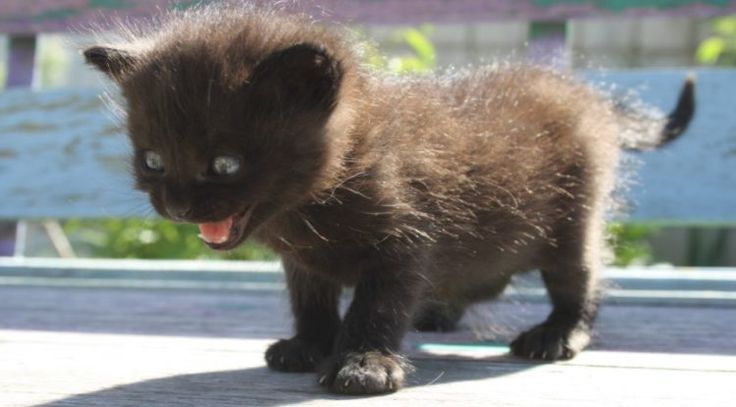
(473,271)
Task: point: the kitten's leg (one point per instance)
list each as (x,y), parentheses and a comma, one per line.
(365,359)
(438,316)
(571,282)
(314,304)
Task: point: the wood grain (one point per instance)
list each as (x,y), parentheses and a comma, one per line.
(22,16)
(62,155)
(99,347)
(631,285)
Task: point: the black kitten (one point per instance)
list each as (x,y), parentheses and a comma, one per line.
(425,194)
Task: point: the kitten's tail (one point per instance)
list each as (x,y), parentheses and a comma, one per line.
(641,132)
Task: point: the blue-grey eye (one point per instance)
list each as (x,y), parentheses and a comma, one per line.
(225,165)
(153,161)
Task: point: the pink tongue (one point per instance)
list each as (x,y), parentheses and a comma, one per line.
(216,232)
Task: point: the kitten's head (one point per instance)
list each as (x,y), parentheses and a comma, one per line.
(224,137)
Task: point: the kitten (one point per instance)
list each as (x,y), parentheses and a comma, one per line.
(425,194)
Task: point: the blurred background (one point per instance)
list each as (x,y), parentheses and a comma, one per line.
(591,44)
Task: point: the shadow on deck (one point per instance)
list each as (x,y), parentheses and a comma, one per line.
(128,347)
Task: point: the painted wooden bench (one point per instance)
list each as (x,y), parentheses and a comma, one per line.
(62,156)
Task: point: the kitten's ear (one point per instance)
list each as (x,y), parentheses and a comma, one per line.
(110,61)
(301,76)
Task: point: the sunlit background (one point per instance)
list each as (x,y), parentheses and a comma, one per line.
(592,44)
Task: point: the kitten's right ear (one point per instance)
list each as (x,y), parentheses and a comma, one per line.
(110,61)
(301,77)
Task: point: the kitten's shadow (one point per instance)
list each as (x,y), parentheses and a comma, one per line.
(261,386)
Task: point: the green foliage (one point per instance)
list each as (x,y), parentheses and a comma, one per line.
(630,243)
(3,75)
(53,59)
(158,239)
(720,48)
(150,239)
(421,57)
(3,63)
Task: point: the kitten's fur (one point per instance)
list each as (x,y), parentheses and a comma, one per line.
(425,194)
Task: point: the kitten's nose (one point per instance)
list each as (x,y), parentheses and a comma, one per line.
(178,208)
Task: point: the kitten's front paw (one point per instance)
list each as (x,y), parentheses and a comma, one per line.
(294,355)
(549,341)
(364,373)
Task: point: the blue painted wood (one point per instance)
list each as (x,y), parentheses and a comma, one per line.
(633,285)
(692,180)
(21,62)
(62,155)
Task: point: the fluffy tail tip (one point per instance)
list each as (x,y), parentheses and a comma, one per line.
(679,119)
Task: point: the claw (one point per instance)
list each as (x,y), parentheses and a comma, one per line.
(281,360)
(347,383)
(322,379)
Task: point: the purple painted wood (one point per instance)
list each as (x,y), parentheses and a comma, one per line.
(23,16)
(548,44)
(22,54)
(21,59)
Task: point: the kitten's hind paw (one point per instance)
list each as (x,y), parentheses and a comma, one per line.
(549,341)
(294,355)
(364,373)
(438,317)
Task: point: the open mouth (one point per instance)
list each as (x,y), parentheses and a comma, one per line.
(227,233)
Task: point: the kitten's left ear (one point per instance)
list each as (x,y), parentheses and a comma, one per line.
(110,61)
(301,76)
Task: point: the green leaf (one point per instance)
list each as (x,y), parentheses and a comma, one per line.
(725,26)
(147,239)
(630,243)
(421,45)
(710,50)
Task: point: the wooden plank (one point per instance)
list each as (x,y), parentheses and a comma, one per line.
(62,155)
(65,370)
(21,61)
(672,286)
(265,314)
(62,149)
(21,16)
(81,347)
(690,181)
(21,64)
(548,44)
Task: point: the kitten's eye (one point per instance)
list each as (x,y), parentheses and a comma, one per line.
(225,165)
(153,161)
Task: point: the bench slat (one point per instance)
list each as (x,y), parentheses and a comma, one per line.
(672,286)
(22,16)
(63,156)
(693,180)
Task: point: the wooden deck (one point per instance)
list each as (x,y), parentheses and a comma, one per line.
(77,346)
